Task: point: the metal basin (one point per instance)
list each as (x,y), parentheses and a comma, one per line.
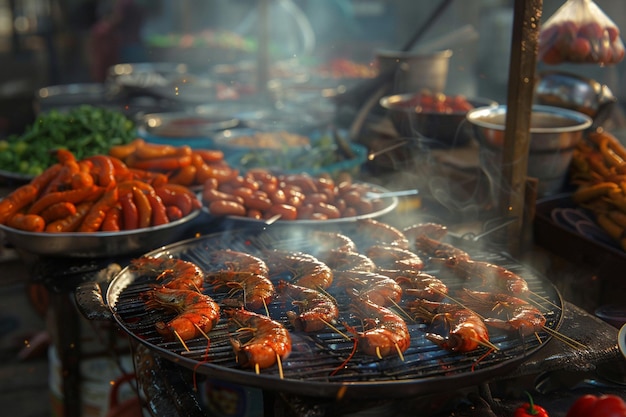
(554,134)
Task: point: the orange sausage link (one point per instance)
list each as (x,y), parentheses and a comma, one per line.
(42,180)
(70,223)
(103,170)
(173,213)
(146,150)
(94,218)
(27,222)
(181,189)
(17,200)
(112,219)
(210,155)
(184,176)
(144,209)
(73,196)
(81,180)
(123,151)
(129,219)
(58,211)
(209,195)
(166,163)
(159,214)
(226,208)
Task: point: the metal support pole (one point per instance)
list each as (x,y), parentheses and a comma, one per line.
(523,60)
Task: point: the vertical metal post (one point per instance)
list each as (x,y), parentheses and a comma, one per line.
(263,60)
(523,60)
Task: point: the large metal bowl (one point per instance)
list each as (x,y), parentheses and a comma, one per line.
(98,244)
(575,92)
(443,129)
(554,134)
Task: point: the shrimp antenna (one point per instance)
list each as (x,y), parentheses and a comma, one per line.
(180,339)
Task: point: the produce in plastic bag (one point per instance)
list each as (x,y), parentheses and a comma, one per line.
(579,31)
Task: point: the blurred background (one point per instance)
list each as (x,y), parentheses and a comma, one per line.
(50,42)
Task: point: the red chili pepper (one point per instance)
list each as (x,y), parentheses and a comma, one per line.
(602,406)
(530,409)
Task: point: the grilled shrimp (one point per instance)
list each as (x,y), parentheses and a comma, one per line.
(334,241)
(376,232)
(437,249)
(174,273)
(419,284)
(384,332)
(490,275)
(451,326)
(197,313)
(341,260)
(379,289)
(505,311)
(388,257)
(242,272)
(304,269)
(270,341)
(315,309)
(236,261)
(430,229)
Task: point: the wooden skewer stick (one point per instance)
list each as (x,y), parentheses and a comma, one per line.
(345,336)
(279,362)
(180,339)
(574,344)
(486,344)
(257,369)
(206,336)
(399,352)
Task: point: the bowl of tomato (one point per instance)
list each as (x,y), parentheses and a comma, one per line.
(438,119)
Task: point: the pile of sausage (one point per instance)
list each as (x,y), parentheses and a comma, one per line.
(98,193)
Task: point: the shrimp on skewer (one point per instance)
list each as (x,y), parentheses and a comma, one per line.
(197,313)
(426,238)
(384,332)
(505,311)
(451,326)
(316,309)
(340,260)
(334,241)
(236,261)
(269,343)
(430,229)
(437,249)
(245,272)
(304,269)
(392,257)
(257,289)
(419,284)
(376,232)
(491,275)
(174,273)
(375,287)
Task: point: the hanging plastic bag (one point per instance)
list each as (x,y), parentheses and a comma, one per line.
(580,32)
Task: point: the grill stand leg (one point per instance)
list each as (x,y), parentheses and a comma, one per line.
(65,331)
